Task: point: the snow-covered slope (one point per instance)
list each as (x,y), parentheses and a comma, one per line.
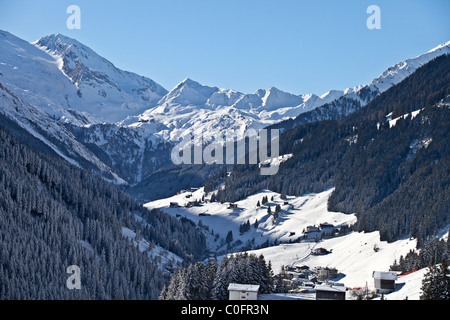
(52,133)
(57,73)
(164,258)
(396,73)
(293,219)
(35,77)
(355,255)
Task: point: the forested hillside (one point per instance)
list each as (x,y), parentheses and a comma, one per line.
(392,171)
(206,281)
(53,215)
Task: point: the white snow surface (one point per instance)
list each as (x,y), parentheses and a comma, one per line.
(355,255)
(301,212)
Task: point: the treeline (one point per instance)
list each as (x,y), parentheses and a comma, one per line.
(431,253)
(394,178)
(178,236)
(209,281)
(53,215)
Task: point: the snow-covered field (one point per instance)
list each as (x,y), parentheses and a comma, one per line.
(294,217)
(355,255)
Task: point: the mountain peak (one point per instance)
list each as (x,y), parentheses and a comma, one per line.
(274,98)
(58,42)
(273,89)
(188,82)
(188,92)
(332,93)
(57,36)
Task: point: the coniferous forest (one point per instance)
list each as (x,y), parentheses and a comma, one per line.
(54,215)
(206,281)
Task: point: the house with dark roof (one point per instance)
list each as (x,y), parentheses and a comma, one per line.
(384,281)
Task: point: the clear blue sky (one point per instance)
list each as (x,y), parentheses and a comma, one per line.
(297,46)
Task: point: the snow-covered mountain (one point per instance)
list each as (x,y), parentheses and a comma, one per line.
(107,93)
(68,113)
(130,123)
(396,73)
(355,98)
(53,134)
(203,110)
(35,77)
(57,74)
(198,109)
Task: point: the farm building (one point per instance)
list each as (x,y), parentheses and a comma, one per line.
(243,291)
(312,229)
(325,226)
(299,268)
(384,281)
(326,273)
(320,251)
(174,205)
(193,204)
(330,292)
(232,206)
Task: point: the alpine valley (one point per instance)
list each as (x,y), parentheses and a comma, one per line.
(84,144)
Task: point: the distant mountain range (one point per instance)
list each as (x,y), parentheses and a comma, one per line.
(122,125)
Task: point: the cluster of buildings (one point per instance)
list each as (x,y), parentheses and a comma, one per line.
(384,282)
(313,233)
